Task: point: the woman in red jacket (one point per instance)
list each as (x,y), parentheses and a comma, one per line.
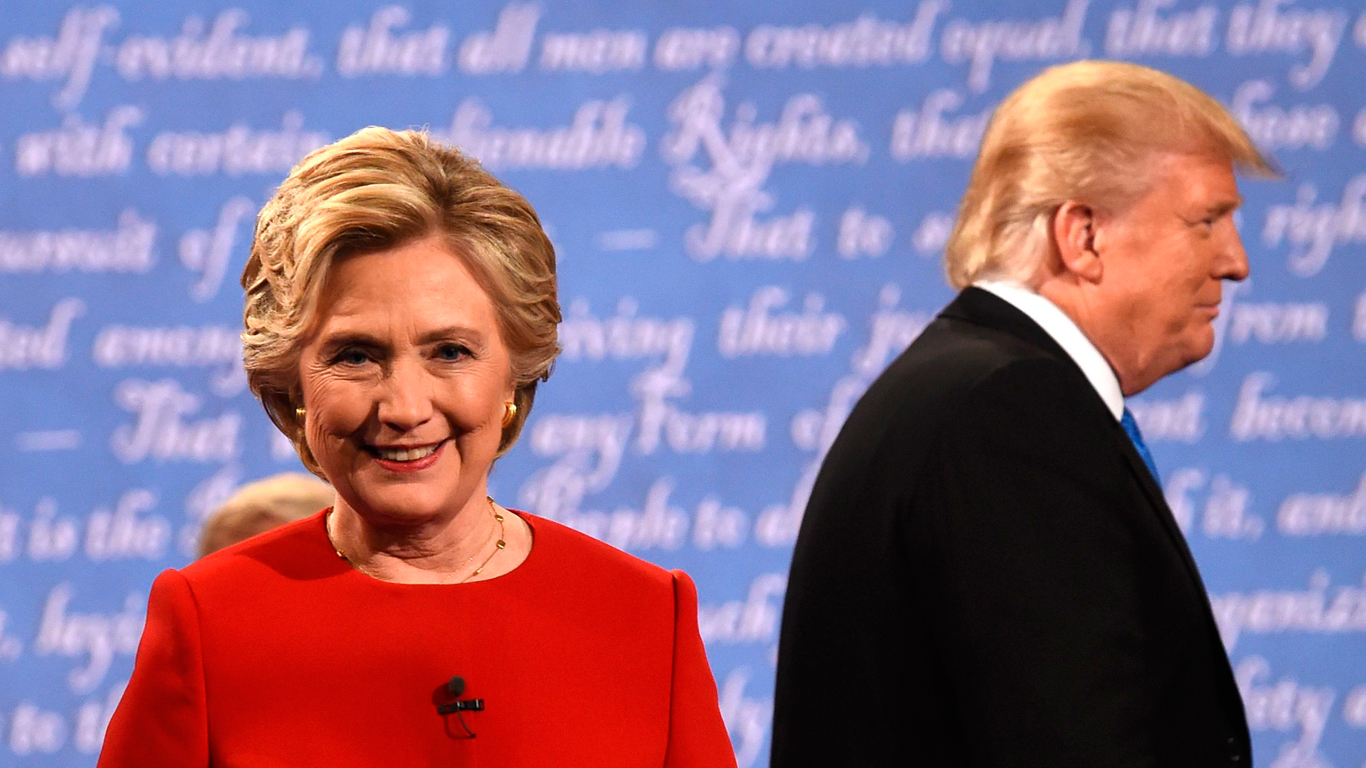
(401,308)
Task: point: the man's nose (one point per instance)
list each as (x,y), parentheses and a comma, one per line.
(1233,263)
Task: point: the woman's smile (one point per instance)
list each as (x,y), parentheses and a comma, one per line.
(406,459)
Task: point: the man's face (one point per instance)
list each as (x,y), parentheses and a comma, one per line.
(1163,261)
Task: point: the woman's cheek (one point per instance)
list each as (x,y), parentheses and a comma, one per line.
(335,406)
(469,403)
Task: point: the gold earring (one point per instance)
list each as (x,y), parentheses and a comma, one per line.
(299,412)
(509,413)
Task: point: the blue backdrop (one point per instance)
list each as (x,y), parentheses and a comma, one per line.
(749,201)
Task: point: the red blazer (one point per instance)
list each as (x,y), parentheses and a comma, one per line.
(276,654)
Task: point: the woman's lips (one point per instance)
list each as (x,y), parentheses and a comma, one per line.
(415,465)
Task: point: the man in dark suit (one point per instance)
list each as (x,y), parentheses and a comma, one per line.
(987,573)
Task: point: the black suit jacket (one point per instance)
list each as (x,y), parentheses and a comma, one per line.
(987,575)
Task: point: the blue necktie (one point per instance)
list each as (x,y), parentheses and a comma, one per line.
(1131,429)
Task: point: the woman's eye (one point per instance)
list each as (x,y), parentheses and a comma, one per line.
(351,357)
(451,352)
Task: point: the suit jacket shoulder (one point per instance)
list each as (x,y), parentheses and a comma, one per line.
(978,350)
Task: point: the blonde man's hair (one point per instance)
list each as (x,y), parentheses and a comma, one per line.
(260,506)
(1087,131)
(374,190)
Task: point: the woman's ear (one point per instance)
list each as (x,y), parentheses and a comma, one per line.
(1074,232)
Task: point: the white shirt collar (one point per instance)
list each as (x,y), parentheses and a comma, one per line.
(1063,330)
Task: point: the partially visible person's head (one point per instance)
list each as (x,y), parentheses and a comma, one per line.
(1092,132)
(260,506)
(1109,188)
(381,192)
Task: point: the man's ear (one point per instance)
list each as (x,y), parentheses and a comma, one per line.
(1074,231)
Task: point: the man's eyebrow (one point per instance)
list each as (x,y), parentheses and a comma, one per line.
(1224,206)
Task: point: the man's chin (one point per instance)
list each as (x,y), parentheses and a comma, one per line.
(1198,350)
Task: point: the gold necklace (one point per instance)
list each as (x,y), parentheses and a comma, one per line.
(496,549)
(501,544)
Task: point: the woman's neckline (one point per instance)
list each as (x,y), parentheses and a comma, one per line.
(530,560)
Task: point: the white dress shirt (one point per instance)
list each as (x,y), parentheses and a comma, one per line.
(1063,330)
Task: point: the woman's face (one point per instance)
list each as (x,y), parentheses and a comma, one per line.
(404,382)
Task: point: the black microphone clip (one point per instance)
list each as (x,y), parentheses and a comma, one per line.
(454,687)
(468,705)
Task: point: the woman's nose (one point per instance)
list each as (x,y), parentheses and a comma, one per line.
(406,400)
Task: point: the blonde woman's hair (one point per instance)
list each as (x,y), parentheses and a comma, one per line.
(1087,131)
(260,506)
(374,190)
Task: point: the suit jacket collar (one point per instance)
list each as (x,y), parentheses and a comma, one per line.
(980,307)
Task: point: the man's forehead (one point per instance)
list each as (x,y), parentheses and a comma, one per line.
(1200,179)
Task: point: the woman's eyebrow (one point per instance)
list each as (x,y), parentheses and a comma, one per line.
(351,339)
(447,333)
